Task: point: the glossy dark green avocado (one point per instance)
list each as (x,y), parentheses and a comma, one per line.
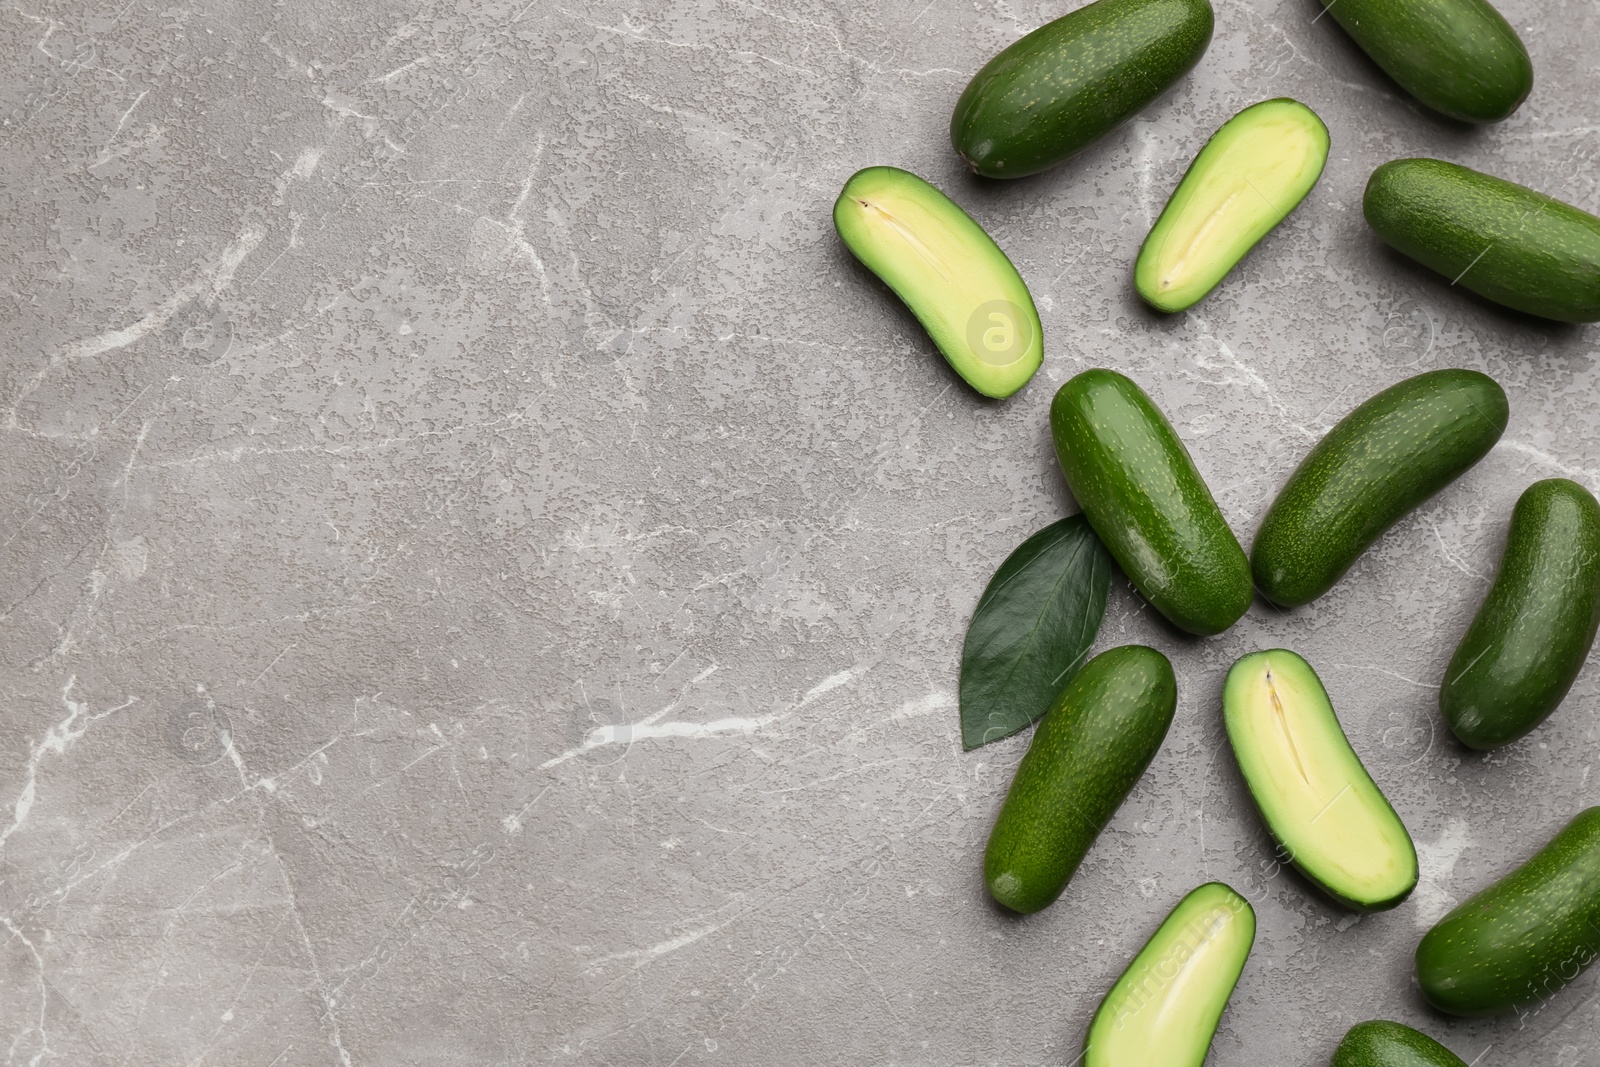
(1384,1044)
(1514,945)
(1460,57)
(1074,80)
(1141,492)
(1088,752)
(1503,241)
(1533,633)
(1381,461)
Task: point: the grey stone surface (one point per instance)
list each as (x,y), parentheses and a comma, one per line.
(483,572)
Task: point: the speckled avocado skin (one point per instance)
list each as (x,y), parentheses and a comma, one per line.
(1089,750)
(1384,1044)
(1382,460)
(1141,492)
(1460,57)
(1514,945)
(1074,80)
(1531,636)
(1499,239)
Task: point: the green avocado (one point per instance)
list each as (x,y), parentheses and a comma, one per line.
(1249,176)
(1089,751)
(1514,945)
(1533,633)
(1074,80)
(1503,241)
(1382,460)
(1384,1044)
(1318,801)
(1143,495)
(949,272)
(1460,57)
(1164,1010)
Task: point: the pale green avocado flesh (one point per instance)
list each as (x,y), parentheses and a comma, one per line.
(1316,798)
(949,272)
(1249,176)
(1165,1008)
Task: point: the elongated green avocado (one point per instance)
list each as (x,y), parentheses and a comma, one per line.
(1380,462)
(949,272)
(1318,801)
(1384,1044)
(1249,176)
(1530,638)
(1459,57)
(1074,80)
(1514,945)
(1164,1010)
(1090,749)
(1503,241)
(1142,494)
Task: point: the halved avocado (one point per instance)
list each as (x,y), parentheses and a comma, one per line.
(1166,1006)
(1249,176)
(1316,798)
(950,273)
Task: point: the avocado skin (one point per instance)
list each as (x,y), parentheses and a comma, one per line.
(1074,80)
(1459,57)
(1384,1044)
(1504,241)
(1088,752)
(1517,942)
(1380,462)
(1141,492)
(1530,638)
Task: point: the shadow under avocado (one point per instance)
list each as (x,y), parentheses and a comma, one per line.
(1555,331)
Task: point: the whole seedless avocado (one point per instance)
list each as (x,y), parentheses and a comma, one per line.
(1501,240)
(1531,636)
(1514,945)
(1384,1044)
(1460,57)
(1381,461)
(1074,80)
(1144,497)
(1090,749)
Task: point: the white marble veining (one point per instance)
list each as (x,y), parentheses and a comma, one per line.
(483,572)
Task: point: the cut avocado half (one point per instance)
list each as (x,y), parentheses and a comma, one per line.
(1316,798)
(1249,176)
(950,273)
(1165,1008)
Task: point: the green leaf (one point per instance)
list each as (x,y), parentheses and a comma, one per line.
(1032,629)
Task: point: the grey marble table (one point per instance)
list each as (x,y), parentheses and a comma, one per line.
(483,572)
